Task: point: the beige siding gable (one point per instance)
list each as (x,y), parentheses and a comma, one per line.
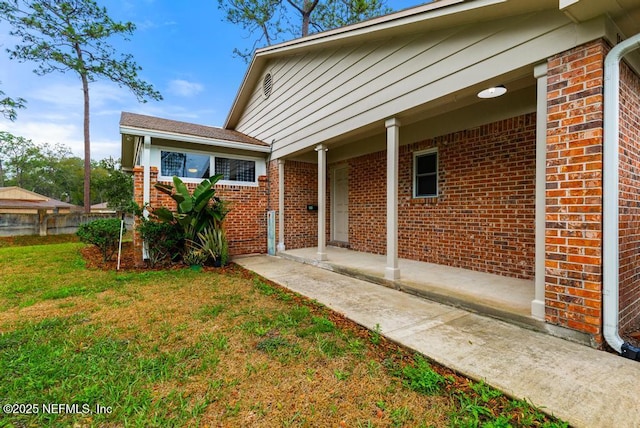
(322,94)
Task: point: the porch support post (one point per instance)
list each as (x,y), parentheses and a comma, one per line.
(392,272)
(146,186)
(538,304)
(280,247)
(146,182)
(322,201)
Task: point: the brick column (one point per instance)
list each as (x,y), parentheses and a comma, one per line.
(573,253)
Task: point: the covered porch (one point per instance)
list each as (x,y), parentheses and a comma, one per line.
(501,297)
(476,147)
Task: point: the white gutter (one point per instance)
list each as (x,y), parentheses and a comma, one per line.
(610,194)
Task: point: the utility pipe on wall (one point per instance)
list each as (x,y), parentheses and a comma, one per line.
(610,197)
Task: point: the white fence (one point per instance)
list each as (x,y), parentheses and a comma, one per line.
(52,224)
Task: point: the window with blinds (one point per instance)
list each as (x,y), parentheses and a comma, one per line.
(199,166)
(185,165)
(236,169)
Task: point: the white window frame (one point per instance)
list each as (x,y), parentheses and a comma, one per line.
(170,177)
(260,165)
(416,155)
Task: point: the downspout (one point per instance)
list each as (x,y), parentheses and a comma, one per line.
(610,197)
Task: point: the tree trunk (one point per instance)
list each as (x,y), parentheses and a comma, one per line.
(87,147)
(307,10)
(306,17)
(87,138)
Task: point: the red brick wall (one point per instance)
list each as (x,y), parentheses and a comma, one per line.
(629,199)
(301,189)
(574,189)
(483,218)
(368,203)
(246,223)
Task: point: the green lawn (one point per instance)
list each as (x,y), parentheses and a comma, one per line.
(216,348)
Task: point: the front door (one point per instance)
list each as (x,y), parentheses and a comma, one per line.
(340,199)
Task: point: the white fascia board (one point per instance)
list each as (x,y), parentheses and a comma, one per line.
(194,139)
(424,13)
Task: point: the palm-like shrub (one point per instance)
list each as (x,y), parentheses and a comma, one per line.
(214,243)
(195,211)
(199,217)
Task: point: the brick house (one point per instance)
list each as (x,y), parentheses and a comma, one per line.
(463,133)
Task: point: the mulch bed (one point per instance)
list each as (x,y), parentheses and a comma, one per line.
(93,258)
(129,261)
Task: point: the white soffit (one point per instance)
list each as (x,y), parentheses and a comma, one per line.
(625,13)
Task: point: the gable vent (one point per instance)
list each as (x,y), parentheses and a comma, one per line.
(267,85)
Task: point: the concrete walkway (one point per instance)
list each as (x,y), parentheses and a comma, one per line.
(583,386)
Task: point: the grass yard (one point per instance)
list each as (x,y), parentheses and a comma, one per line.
(87,347)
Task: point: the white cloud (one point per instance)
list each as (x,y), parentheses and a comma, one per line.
(184,88)
(104,148)
(65,95)
(49,132)
(69,135)
(148,24)
(58,94)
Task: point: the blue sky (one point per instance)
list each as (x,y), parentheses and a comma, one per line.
(186,52)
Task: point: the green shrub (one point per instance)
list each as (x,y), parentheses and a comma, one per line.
(103,233)
(163,240)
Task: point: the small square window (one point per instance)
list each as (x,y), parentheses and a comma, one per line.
(425,174)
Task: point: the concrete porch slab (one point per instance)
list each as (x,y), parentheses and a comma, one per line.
(501,297)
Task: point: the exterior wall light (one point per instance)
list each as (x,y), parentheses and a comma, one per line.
(492,92)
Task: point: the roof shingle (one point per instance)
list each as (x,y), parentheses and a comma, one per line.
(176,127)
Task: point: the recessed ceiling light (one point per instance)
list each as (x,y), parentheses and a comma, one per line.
(493,92)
